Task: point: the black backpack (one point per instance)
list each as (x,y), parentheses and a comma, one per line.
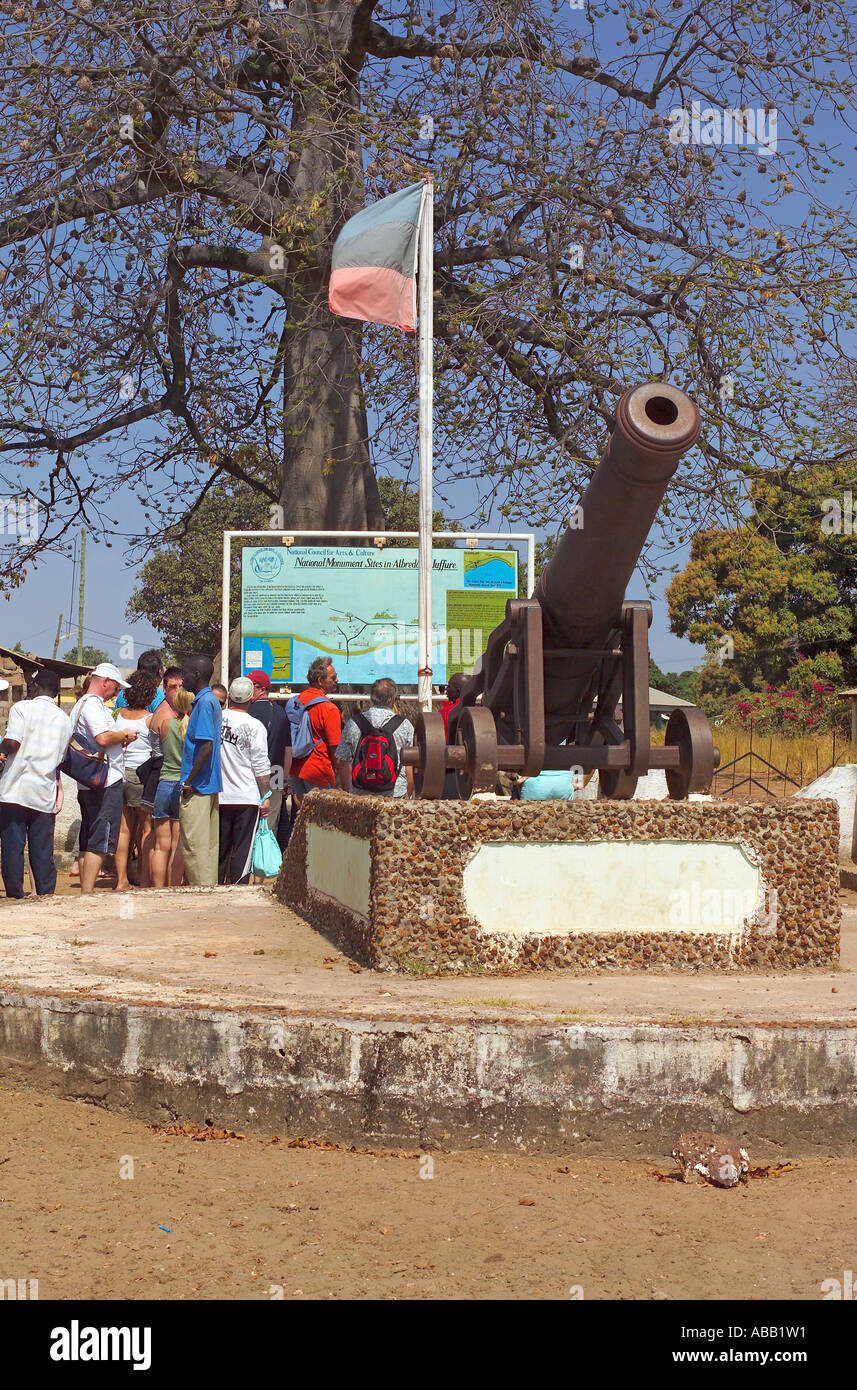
(376,762)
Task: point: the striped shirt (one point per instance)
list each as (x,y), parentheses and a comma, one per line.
(30,776)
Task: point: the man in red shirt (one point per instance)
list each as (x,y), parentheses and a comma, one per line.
(453,695)
(317,769)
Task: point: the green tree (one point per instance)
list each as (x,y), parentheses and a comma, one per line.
(774,600)
(179,590)
(91,656)
(685,686)
(178,170)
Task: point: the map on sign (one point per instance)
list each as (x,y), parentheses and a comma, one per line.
(358,605)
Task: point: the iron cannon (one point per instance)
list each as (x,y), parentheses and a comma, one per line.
(546,692)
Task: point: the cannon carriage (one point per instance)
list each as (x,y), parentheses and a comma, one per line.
(550,680)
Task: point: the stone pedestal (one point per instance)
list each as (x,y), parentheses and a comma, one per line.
(499,886)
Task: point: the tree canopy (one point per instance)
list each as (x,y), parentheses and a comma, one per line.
(684,685)
(179,169)
(91,656)
(775,599)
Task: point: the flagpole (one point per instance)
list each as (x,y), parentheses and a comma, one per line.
(426,394)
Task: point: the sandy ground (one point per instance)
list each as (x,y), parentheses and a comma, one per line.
(254,1219)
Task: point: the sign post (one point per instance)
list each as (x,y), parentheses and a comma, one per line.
(426,394)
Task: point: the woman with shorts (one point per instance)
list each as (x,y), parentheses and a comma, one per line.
(167,860)
(134,717)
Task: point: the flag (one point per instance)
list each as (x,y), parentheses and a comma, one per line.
(374,267)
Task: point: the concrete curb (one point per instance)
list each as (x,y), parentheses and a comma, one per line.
(623,1091)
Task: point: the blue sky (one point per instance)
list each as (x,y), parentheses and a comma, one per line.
(30,616)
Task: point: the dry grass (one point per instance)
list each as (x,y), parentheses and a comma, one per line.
(795,762)
(812,752)
(801,759)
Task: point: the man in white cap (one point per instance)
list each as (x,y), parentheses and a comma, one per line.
(36,738)
(101,808)
(246,772)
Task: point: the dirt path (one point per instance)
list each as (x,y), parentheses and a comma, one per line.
(249,1218)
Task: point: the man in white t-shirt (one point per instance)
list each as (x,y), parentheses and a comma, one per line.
(246,772)
(101,808)
(37,735)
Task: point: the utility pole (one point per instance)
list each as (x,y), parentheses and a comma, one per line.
(80,604)
(57,638)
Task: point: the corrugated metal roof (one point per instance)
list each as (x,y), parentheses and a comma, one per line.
(29,663)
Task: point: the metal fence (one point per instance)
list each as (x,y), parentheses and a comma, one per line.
(753,776)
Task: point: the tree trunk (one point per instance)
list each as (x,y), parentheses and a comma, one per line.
(328,481)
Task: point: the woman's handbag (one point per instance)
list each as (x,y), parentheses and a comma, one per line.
(88,768)
(267,855)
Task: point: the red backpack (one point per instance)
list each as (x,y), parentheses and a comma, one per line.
(376,762)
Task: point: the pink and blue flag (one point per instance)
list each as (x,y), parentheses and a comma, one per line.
(374,267)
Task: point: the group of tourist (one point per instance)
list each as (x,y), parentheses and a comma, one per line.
(176,778)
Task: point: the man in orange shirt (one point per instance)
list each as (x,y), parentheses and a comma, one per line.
(317,769)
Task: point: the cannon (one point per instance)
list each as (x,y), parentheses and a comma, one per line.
(545,693)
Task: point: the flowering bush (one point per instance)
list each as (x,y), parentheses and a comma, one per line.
(788,711)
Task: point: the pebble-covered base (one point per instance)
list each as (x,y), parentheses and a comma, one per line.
(419,849)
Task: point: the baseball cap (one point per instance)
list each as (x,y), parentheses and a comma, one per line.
(109,672)
(241,690)
(260,678)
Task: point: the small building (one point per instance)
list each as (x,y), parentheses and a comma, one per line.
(17,667)
(661,706)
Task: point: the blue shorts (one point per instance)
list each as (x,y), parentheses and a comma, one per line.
(100,818)
(166,801)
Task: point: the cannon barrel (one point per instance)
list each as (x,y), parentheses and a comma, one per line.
(582,587)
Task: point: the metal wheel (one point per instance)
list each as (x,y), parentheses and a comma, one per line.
(615,784)
(690,731)
(477,731)
(429,772)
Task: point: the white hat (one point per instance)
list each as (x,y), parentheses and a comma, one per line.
(241,690)
(109,672)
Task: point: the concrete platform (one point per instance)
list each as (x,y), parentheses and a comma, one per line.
(221,1005)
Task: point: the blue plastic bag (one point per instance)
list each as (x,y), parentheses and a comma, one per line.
(549,786)
(267,855)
